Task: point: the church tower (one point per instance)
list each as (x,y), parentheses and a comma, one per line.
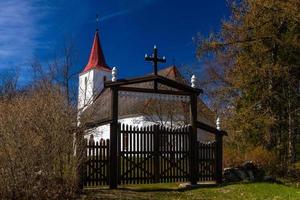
(91,79)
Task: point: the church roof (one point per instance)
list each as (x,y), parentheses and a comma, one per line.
(96,59)
(131,106)
(172,73)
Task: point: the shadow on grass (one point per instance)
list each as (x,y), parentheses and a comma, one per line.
(156,187)
(172,187)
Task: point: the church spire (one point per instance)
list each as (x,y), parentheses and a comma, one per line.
(96,59)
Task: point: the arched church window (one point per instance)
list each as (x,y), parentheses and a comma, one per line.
(104,79)
(85,88)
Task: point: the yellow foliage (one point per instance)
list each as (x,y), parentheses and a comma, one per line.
(259,155)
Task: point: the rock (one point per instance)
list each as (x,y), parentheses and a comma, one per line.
(183,186)
(251,175)
(270,179)
(230,175)
(260,175)
(248,165)
(242,174)
(246,172)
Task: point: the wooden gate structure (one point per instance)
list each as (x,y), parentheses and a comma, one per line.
(152,154)
(160,158)
(96,163)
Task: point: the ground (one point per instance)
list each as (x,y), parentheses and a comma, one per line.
(244,191)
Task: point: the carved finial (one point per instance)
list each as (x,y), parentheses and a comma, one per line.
(193,81)
(218,123)
(114,73)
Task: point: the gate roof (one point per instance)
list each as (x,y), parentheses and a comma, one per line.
(169,79)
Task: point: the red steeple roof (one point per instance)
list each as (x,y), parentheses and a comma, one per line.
(96,59)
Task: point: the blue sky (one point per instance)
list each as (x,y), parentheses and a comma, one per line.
(128,30)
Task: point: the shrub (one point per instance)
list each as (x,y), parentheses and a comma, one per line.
(36,146)
(232,157)
(259,155)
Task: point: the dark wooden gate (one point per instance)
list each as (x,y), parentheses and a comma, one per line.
(153,154)
(96,168)
(206,161)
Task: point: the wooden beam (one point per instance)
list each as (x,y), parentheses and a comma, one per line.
(159,79)
(210,129)
(177,85)
(146,90)
(130,81)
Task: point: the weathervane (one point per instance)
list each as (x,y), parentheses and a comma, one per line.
(155,59)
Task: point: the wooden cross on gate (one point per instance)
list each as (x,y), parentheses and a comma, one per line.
(155,59)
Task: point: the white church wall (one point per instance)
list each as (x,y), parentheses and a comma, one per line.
(98,81)
(103,132)
(202,135)
(90,84)
(85,89)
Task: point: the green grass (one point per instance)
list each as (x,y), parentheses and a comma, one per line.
(245,191)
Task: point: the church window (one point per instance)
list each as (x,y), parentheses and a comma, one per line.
(104,79)
(85,88)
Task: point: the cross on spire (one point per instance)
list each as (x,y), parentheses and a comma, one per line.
(155,59)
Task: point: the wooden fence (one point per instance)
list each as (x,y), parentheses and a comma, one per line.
(153,154)
(206,161)
(150,154)
(96,169)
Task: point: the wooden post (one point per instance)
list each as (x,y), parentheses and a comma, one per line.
(113,161)
(81,154)
(193,141)
(119,150)
(219,157)
(156,152)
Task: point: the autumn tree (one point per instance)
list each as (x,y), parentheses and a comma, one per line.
(60,70)
(253,68)
(8,83)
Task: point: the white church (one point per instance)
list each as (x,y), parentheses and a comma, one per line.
(134,109)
